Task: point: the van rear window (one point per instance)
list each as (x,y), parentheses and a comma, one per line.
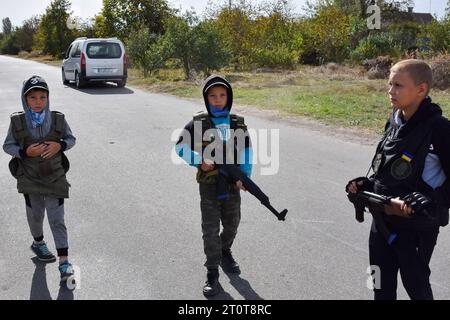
(103,50)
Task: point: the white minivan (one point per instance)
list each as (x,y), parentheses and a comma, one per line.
(90,59)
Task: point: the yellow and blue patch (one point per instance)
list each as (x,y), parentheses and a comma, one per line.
(406,156)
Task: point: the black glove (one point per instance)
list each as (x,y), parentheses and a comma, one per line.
(418,202)
(367,184)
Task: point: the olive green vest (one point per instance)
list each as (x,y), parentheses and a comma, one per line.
(236,122)
(38,175)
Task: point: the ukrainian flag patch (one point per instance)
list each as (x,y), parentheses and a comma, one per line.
(406,156)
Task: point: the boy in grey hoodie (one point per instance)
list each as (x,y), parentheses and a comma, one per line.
(37,138)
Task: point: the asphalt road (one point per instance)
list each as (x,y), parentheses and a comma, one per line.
(134,220)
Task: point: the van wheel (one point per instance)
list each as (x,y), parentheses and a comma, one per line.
(78,82)
(63,76)
(121,84)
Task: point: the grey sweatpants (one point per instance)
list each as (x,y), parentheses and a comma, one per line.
(36,205)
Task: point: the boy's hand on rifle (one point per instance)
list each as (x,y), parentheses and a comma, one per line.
(51,149)
(358,184)
(240,185)
(35,150)
(398,208)
(207,165)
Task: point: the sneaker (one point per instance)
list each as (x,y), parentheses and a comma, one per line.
(211,287)
(66,270)
(228,262)
(42,252)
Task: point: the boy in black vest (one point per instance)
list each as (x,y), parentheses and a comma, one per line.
(37,138)
(412,164)
(213,138)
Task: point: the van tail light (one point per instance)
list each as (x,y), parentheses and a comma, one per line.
(83,62)
(125,62)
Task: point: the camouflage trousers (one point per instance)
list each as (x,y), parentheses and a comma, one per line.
(213,213)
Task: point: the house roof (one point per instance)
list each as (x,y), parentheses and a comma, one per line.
(424,18)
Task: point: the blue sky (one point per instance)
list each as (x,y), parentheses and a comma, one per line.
(20,10)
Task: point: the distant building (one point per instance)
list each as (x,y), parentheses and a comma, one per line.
(422,18)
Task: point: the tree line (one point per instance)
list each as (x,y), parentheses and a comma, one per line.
(243,35)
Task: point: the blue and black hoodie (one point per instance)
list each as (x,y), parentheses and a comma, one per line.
(220,120)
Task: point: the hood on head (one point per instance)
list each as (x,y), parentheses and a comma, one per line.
(215,80)
(34,82)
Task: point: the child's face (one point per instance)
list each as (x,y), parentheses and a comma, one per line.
(217,97)
(37,100)
(403,92)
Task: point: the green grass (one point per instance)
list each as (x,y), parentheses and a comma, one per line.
(342,97)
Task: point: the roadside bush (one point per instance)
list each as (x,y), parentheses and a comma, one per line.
(441,71)
(378,68)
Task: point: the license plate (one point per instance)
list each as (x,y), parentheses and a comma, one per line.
(105,70)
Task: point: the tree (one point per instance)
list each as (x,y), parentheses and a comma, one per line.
(54,36)
(146,50)
(9,44)
(124,16)
(7,26)
(437,36)
(179,38)
(197,45)
(208,51)
(327,36)
(26,32)
(447,11)
(276,41)
(235,24)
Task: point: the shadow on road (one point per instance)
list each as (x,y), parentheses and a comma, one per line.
(222,295)
(243,287)
(39,288)
(101,89)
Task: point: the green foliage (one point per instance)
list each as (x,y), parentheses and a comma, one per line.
(54,36)
(146,50)
(123,16)
(326,36)
(276,42)
(196,45)
(7,26)
(208,51)
(436,36)
(178,41)
(235,24)
(9,44)
(376,44)
(25,33)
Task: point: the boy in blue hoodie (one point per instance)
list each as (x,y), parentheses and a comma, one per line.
(37,139)
(202,145)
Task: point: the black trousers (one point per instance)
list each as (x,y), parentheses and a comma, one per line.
(410,254)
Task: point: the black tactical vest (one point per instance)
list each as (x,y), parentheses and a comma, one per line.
(236,122)
(38,175)
(398,166)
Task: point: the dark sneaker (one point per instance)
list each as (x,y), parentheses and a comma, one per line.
(211,287)
(228,262)
(42,252)
(66,270)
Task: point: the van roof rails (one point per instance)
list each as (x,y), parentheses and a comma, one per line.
(80,38)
